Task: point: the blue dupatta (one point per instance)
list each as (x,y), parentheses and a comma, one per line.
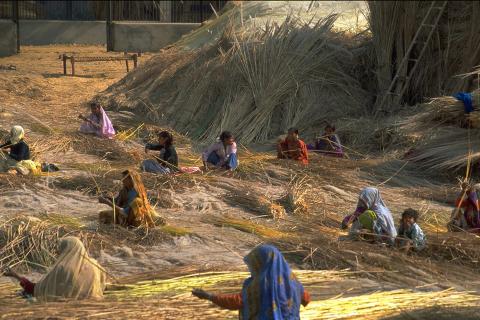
(272,292)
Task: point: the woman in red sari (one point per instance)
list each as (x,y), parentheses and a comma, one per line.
(292,147)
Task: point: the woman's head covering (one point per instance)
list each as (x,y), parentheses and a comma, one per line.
(370,197)
(142,211)
(107,128)
(74,276)
(16,134)
(272,291)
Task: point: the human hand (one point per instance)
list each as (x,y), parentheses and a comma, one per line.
(104,200)
(146,150)
(202,294)
(7,272)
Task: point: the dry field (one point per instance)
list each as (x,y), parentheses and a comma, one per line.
(213,219)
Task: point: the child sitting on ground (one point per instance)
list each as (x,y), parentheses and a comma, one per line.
(410,235)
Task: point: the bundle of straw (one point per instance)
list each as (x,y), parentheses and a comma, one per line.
(302,70)
(257,203)
(30,242)
(450,149)
(294,200)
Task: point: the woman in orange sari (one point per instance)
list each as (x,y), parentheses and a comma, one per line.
(131,207)
(292,147)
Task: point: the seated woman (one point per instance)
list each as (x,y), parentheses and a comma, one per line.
(410,235)
(222,154)
(292,147)
(18,159)
(97,122)
(73,276)
(371,218)
(329,143)
(271,292)
(131,207)
(466,215)
(167,161)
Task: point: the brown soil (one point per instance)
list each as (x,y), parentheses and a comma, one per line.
(37,96)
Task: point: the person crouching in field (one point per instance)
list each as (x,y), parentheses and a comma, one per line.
(372,220)
(329,144)
(97,122)
(272,291)
(410,235)
(74,275)
(18,159)
(131,207)
(466,215)
(167,160)
(292,147)
(222,154)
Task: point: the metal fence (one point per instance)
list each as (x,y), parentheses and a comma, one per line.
(89,10)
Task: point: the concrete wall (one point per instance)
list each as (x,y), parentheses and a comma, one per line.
(127,36)
(8,38)
(45,32)
(145,36)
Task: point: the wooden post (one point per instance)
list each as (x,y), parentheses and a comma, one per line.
(16,19)
(72,59)
(134,60)
(64,58)
(109,26)
(125,54)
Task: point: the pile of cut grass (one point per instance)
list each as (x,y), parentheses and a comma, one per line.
(32,242)
(246,226)
(171,299)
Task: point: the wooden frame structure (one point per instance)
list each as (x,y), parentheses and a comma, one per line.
(74,59)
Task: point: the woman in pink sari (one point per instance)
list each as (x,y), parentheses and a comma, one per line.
(97,122)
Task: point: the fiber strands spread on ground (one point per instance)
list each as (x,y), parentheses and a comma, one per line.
(161,298)
(255,81)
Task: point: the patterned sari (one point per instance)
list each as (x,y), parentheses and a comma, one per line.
(272,292)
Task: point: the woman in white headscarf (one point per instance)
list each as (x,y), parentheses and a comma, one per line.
(18,159)
(372,215)
(74,276)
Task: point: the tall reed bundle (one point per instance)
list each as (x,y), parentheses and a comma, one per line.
(271,76)
(454,48)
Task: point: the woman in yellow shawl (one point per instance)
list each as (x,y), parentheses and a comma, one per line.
(74,276)
(18,159)
(131,207)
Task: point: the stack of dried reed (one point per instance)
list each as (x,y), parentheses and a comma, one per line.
(30,242)
(454,48)
(271,77)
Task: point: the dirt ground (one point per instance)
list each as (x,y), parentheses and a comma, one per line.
(36,95)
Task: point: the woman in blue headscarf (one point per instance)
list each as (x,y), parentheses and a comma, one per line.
(271,293)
